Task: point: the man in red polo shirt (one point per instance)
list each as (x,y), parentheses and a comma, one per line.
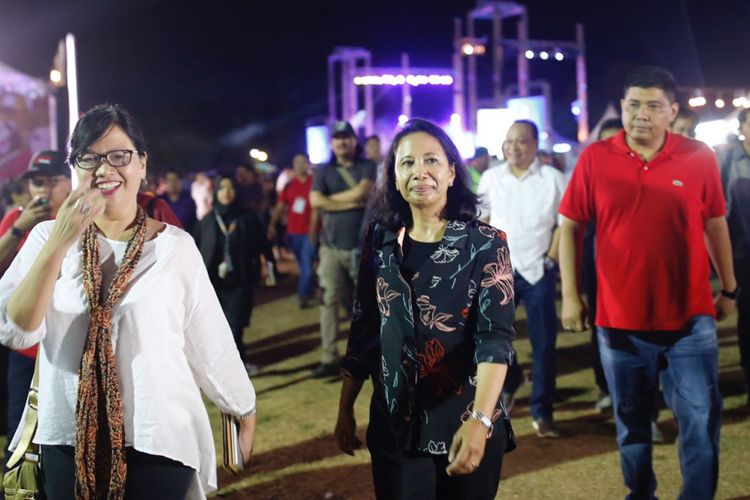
(302,225)
(49,186)
(659,210)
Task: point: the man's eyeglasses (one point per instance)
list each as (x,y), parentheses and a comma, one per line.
(45,181)
(117,158)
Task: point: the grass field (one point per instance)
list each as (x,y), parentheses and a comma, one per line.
(296,458)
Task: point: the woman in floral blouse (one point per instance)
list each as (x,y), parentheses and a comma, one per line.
(433,325)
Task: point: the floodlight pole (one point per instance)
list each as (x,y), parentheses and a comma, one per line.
(497,56)
(459,103)
(72,81)
(405,89)
(582,86)
(471,77)
(522,62)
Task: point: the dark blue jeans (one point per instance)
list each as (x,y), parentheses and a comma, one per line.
(304,252)
(20,373)
(539,301)
(631,361)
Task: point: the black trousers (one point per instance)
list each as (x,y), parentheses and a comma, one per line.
(149,476)
(401,475)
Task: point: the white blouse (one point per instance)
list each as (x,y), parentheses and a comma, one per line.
(170,338)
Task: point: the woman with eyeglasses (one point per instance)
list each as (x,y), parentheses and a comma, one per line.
(130,331)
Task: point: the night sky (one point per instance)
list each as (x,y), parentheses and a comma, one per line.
(193,72)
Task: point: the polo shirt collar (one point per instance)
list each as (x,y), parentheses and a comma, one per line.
(670,144)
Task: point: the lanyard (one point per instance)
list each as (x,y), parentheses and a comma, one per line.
(227,236)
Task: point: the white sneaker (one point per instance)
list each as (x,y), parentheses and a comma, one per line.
(604,403)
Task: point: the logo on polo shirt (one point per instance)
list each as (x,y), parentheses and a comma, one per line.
(677,182)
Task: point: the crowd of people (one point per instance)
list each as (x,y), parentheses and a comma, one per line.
(429,255)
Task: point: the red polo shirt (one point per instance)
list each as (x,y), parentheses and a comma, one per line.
(5,225)
(296,196)
(652,265)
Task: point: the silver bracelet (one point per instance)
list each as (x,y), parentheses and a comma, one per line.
(484,420)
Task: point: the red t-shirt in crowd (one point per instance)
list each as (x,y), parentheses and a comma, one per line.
(5,225)
(158,209)
(296,196)
(651,259)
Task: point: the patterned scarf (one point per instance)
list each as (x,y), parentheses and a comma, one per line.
(100,431)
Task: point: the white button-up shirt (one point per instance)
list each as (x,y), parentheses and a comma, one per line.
(526,209)
(170,340)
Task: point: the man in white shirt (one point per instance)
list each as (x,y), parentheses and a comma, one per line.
(522,197)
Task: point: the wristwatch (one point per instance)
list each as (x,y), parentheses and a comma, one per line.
(731,295)
(484,420)
(17,233)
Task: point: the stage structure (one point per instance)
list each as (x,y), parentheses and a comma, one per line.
(351,77)
(468,47)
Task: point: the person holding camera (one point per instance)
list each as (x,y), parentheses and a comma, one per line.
(49,186)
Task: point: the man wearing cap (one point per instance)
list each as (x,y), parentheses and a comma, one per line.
(340,190)
(478,165)
(49,186)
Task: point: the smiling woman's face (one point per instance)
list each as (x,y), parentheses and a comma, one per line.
(118,185)
(423,174)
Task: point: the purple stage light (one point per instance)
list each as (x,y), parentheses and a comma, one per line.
(415,80)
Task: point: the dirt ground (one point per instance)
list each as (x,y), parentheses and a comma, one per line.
(304,463)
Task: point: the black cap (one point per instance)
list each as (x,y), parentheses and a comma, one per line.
(48,163)
(481,151)
(342,128)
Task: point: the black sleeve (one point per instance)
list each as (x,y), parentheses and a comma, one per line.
(364,334)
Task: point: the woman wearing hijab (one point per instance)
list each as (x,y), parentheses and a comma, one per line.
(232,242)
(130,333)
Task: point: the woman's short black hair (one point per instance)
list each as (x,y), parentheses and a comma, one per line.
(390,207)
(96,122)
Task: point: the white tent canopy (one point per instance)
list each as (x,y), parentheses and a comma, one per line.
(13,81)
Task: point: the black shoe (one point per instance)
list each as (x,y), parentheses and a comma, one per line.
(545,427)
(509,397)
(325,370)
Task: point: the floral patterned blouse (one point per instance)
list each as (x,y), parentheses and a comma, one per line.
(421,340)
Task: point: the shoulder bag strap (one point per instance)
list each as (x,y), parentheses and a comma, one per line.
(344,173)
(29,425)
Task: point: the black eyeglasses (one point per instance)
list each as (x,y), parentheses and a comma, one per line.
(117,158)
